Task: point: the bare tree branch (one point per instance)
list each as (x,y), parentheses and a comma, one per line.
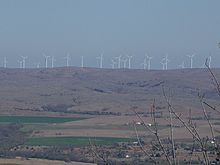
(217,85)
(194,132)
(210,106)
(206,116)
(141,146)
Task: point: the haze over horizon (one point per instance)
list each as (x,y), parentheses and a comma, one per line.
(89,28)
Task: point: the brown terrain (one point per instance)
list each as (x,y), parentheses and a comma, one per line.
(107,99)
(107,96)
(78,90)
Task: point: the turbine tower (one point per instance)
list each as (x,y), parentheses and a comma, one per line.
(124,62)
(23,61)
(82,61)
(113,64)
(5,62)
(144,63)
(191,60)
(129,61)
(46,60)
(119,61)
(20,63)
(101,60)
(38,65)
(164,62)
(67,59)
(149,58)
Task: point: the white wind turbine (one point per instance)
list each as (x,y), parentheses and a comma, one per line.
(100,58)
(20,63)
(124,62)
(24,61)
(149,58)
(38,65)
(182,65)
(191,60)
(46,60)
(5,62)
(129,61)
(113,64)
(82,61)
(165,62)
(119,61)
(52,61)
(144,63)
(67,59)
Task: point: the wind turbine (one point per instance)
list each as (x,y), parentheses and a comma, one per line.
(113,64)
(101,60)
(124,62)
(119,61)
(46,60)
(82,61)
(5,62)
(20,63)
(52,61)
(129,61)
(182,65)
(23,61)
(67,59)
(144,63)
(38,65)
(165,62)
(191,60)
(149,58)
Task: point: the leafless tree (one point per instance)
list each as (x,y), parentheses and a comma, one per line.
(189,126)
(98,153)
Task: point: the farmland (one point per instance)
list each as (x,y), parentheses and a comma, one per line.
(32,161)
(36,119)
(74,141)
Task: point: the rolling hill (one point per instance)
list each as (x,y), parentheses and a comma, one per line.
(100,91)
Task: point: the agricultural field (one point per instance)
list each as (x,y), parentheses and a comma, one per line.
(74,141)
(36,119)
(32,161)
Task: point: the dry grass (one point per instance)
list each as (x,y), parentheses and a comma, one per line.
(120,126)
(97,90)
(32,161)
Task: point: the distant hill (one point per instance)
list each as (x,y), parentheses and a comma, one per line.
(100,91)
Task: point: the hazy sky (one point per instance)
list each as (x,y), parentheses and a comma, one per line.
(114,27)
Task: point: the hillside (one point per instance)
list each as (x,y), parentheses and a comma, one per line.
(93,91)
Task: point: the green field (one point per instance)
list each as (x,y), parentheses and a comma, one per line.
(37,119)
(77,141)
